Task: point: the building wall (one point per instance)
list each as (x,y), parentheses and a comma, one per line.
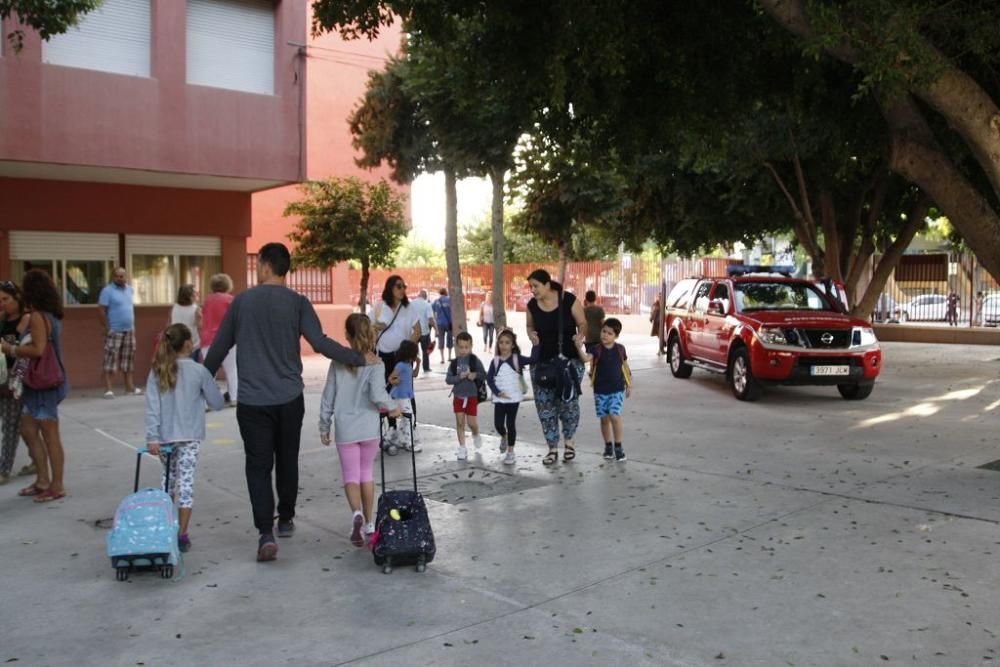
(33,205)
(337,74)
(71,116)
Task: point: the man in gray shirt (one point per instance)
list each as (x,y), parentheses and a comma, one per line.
(265,323)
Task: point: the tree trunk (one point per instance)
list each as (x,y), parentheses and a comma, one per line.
(831,237)
(499,286)
(914,221)
(917,158)
(916,155)
(363,299)
(451,252)
(562,260)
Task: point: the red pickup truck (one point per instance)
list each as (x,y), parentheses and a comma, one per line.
(765,328)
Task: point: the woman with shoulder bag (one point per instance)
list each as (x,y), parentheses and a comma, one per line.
(45,384)
(14,322)
(394,321)
(557,324)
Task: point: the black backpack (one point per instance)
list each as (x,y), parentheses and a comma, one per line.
(481,394)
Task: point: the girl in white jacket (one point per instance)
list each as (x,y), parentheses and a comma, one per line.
(352,397)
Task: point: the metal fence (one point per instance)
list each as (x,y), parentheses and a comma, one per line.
(948,289)
(945,289)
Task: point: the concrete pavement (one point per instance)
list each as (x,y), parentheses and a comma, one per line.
(800,530)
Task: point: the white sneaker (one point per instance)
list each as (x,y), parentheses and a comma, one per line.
(477,441)
(368,528)
(509,459)
(462,453)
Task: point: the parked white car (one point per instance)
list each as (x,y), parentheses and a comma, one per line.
(991,310)
(923,307)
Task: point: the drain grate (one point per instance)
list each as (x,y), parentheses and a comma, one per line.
(471,484)
(992,465)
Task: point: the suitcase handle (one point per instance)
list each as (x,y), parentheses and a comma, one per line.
(168,450)
(381,447)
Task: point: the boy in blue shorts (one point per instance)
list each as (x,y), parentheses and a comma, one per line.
(612,380)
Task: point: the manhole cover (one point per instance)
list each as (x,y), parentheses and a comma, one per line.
(474,484)
(992,465)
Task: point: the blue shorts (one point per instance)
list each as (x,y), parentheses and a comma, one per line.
(609,405)
(41,405)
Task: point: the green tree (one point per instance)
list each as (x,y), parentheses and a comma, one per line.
(416,252)
(47,17)
(343,219)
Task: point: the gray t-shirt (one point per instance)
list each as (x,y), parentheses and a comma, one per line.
(265,323)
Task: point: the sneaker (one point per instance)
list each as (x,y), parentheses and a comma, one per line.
(477,440)
(184,543)
(509,459)
(136,391)
(368,529)
(609,452)
(620,454)
(503,443)
(109,394)
(462,453)
(267,548)
(356,538)
(286,528)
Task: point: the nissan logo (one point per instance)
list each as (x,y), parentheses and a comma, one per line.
(826,338)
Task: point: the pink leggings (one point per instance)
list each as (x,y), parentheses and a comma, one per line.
(356,460)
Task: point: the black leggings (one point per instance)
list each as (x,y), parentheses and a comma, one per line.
(389,360)
(505,420)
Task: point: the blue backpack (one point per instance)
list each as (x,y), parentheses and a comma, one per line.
(144,534)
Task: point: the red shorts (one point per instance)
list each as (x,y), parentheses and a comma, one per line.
(469,406)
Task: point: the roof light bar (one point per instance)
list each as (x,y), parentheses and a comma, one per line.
(743,269)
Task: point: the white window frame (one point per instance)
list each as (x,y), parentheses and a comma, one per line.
(231,44)
(63,247)
(173,247)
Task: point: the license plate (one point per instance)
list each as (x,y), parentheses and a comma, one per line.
(831,370)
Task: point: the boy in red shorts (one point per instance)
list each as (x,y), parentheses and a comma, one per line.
(466,373)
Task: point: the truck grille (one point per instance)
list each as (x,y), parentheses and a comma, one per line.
(827,339)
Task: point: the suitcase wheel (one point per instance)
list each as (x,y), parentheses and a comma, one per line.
(121,573)
(166,571)
(387,566)
(421,565)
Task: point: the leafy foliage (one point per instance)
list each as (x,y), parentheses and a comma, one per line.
(48,17)
(345,219)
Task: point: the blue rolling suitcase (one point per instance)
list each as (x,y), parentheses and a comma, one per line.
(403,534)
(144,534)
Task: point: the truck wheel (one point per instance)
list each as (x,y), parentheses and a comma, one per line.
(678,366)
(855,392)
(744,384)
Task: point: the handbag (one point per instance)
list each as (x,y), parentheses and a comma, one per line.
(44,372)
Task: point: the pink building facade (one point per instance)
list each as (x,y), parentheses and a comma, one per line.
(138,139)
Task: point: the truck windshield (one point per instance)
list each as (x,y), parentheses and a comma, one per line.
(752,296)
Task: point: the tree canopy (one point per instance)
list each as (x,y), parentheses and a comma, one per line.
(47,17)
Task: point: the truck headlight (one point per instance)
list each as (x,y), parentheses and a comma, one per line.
(862,336)
(773,336)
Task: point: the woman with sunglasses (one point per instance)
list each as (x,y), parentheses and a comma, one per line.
(40,416)
(394,321)
(13,322)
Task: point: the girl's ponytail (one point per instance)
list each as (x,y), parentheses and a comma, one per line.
(165,361)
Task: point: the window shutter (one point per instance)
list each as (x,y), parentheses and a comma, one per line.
(163,244)
(112,38)
(63,245)
(230,44)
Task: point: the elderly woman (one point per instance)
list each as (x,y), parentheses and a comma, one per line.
(394,321)
(211,315)
(13,323)
(40,418)
(545,319)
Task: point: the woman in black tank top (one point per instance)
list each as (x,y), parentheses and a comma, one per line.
(543,320)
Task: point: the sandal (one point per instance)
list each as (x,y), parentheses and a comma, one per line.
(569,453)
(551,457)
(48,495)
(31,490)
